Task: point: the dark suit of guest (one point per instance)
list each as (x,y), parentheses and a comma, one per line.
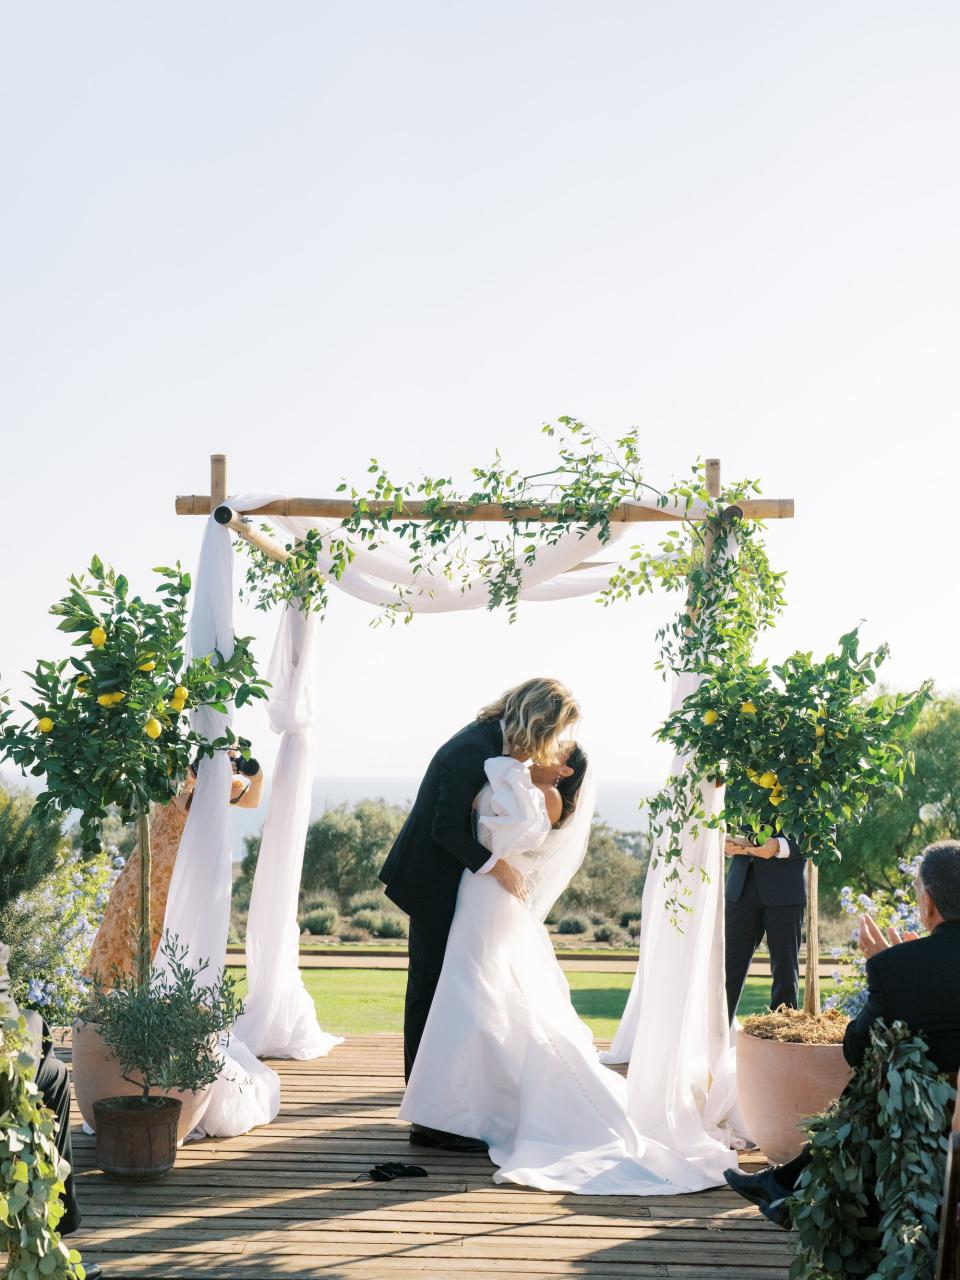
(423,869)
(913,982)
(53,1081)
(765,896)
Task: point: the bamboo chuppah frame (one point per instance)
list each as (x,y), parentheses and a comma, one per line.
(338,508)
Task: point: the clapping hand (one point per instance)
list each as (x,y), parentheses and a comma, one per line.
(872,941)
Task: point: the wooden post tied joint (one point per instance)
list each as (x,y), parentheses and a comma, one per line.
(250,533)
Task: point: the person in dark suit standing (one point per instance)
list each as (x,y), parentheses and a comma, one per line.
(437,843)
(765,895)
(53,1081)
(909,979)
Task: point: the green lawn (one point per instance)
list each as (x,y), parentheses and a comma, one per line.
(359,1001)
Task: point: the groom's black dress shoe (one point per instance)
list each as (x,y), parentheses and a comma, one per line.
(763,1190)
(421,1136)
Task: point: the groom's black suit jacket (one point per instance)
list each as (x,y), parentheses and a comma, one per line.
(780,881)
(422,871)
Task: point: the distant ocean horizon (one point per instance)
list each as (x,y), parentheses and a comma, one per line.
(618,802)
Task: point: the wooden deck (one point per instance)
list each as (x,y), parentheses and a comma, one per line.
(284,1201)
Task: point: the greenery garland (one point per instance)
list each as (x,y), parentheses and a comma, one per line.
(868,1203)
(800,746)
(31,1170)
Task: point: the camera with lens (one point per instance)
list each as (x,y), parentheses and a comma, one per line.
(241,763)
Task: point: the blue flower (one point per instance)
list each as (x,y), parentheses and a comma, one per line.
(36,993)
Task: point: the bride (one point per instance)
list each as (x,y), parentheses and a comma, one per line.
(504,1057)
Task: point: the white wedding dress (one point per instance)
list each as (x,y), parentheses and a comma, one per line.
(504,1056)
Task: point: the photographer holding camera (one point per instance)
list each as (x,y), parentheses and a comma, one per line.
(114,946)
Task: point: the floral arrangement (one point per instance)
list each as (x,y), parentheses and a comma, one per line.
(54,925)
(31,1171)
(894,909)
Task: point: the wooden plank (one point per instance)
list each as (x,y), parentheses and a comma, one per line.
(284,1200)
(200,504)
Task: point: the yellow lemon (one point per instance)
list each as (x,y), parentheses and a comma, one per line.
(775,799)
(98,637)
(710,717)
(180,694)
(147,666)
(748,709)
(819,731)
(81,680)
(822,713)
(44,724)
(117,697)
(768,780)
(153,728)
(105,699)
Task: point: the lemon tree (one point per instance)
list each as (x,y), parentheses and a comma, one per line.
(109,725)
(801,746)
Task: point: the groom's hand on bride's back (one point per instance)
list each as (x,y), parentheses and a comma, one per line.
(510,879)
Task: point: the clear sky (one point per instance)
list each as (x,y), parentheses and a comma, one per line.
(303,233)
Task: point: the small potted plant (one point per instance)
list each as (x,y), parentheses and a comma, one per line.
(165,1036)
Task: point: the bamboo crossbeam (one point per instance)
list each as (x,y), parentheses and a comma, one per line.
(494,513)
(250,533)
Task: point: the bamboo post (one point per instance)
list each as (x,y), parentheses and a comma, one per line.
(218,479)
(200,504)
(811,978)
(145,940)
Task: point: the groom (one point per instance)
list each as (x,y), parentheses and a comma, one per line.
(423,869)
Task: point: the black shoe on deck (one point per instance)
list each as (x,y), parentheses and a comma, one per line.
(421,1136)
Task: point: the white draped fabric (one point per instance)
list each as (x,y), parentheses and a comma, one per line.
(674,1031)
(280,1019)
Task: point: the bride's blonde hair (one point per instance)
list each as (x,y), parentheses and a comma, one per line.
(535,714)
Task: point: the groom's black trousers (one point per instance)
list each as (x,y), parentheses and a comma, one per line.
(747,920)
(425,948)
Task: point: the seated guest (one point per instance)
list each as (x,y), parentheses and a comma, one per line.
(53,1081)
(912,980)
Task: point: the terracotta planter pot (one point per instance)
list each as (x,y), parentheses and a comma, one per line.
(779,1085)
(96,1075)
(136,1138)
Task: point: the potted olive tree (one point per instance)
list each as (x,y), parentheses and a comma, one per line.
(800,747)
(165,1036)
(108,726)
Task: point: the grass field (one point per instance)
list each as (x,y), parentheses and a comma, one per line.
(360,1001)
